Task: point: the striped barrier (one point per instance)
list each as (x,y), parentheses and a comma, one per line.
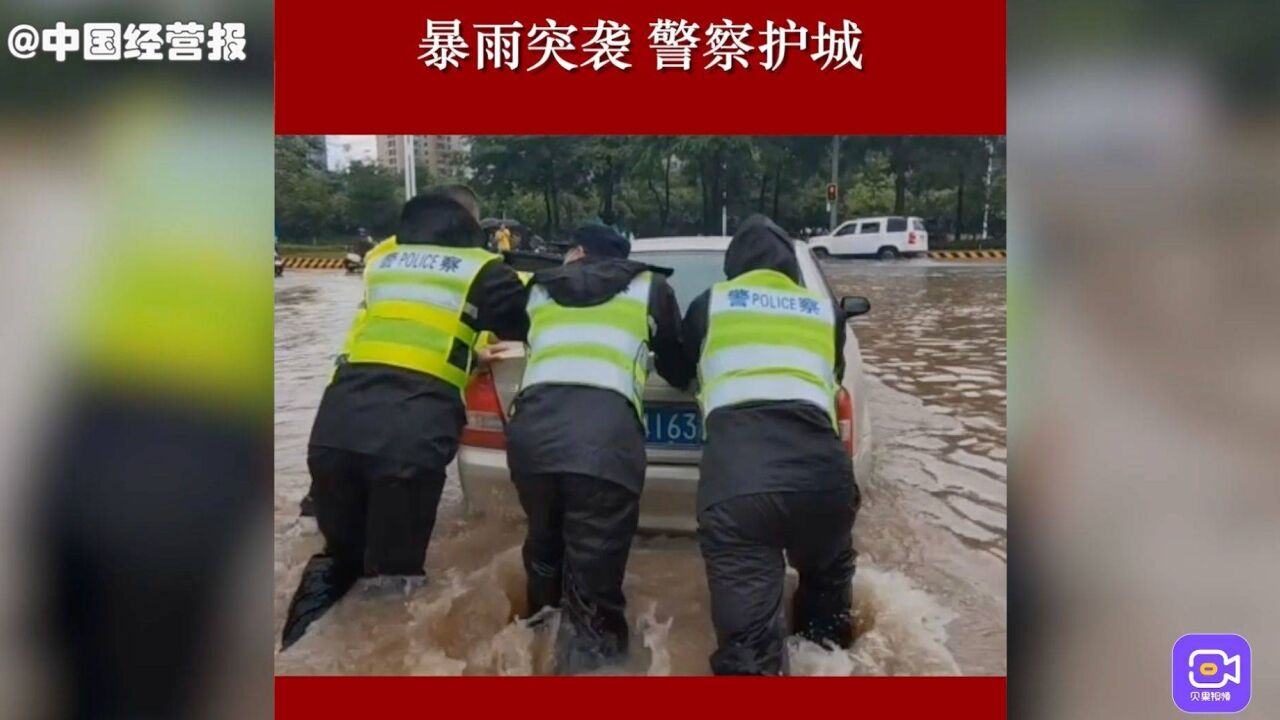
(302,262)
(967,254)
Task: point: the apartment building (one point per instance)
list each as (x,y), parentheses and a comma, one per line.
(444,156)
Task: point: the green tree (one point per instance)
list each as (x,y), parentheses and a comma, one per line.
(959,163)
(872,187)
(308,200)
(664,185)
(653,164)
(721,168)
(423,177)
(607,156)
(374,196)
(552,166)
(794,176)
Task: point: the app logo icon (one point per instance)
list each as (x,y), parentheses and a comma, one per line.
(1211,673)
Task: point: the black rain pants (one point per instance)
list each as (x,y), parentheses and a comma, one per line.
(575,557)
(376,515)
(743,541)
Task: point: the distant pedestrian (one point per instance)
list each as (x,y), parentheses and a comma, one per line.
(502,239)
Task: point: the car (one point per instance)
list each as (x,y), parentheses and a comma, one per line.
(883,237)
(672,419)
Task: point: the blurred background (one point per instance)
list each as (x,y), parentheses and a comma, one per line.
(135,406)
(1144,243)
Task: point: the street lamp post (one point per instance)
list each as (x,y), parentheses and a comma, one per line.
(410,168)
(986,188)
(724,200)
(834,203)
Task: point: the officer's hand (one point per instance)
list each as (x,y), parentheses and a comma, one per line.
(497,351)
(486,354)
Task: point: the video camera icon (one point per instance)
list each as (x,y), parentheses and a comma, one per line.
(1212,673)
(1208,669)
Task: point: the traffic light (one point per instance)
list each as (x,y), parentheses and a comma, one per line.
(831,192)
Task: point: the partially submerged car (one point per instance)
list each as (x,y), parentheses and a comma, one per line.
(673,423)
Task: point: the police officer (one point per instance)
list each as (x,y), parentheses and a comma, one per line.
(576,441)
(775,477)
(459,193)
(390,420)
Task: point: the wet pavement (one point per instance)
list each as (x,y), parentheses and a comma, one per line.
(929,594)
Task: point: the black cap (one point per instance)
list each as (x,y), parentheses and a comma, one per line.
(601,241)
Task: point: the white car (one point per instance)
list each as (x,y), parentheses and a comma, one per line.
(672,419)
(882,237)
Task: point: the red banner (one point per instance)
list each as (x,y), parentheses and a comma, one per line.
(926,68)
(620,698)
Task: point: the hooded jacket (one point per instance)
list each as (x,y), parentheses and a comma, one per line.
(575,429)
(766,446)
(410,416)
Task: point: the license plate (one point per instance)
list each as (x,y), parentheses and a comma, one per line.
(673,426)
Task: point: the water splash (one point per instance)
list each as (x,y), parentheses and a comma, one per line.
(900,630)
(655,635)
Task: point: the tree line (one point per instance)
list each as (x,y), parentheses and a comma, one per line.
(666,185)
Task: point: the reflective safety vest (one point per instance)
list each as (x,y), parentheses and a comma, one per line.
(768,338)
(416,307)
(376,251)
(166,307)
(605,345)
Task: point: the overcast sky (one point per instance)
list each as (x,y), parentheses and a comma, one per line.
(343,149)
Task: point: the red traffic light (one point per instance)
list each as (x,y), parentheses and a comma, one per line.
(831,192)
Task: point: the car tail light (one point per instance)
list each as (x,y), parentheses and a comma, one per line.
(911,238)
(845,419)
(486,424)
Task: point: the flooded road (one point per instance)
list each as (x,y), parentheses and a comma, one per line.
(929,593)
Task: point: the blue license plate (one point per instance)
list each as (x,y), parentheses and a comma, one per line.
(673,426)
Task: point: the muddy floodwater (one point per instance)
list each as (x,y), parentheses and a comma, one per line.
(929,593)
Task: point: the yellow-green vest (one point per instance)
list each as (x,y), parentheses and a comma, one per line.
(768,338)
(415,309)
(604,346)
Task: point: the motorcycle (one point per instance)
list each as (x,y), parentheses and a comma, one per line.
(279,265)
(353,263)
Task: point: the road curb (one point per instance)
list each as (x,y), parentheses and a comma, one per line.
(302,262)
(967,254)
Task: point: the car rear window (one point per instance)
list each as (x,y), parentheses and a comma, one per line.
(897,225)
(917,225)
(694,271)
(869,227)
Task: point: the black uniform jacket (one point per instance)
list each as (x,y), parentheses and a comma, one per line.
(767,446)
(411,416)
(585,430)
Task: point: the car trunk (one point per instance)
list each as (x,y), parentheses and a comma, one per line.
(508,368)
(658,393)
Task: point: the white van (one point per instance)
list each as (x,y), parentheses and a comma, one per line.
(882,237)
